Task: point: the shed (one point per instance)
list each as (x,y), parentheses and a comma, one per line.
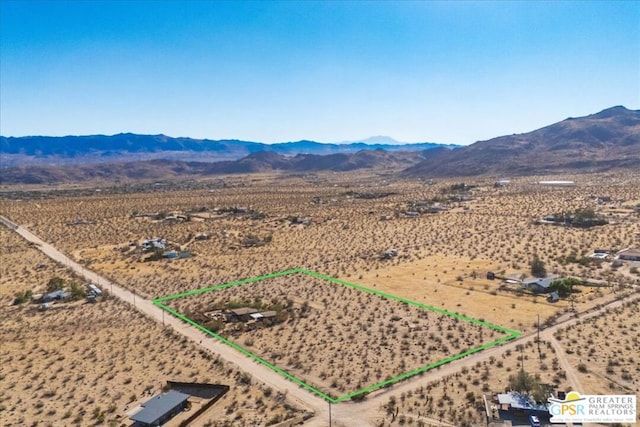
(160,409)
(171,254)
(264,315)
(268,314)
(91,288)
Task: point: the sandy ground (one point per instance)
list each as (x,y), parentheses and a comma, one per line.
(329,342)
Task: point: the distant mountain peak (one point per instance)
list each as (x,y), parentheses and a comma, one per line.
(618,110)
(374,140)
(381,139)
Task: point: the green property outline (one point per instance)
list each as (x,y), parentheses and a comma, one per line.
(511,334)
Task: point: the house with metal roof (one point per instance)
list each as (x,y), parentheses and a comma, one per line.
(160,409)
(629,254)
(241,314)
(58,295)
(539,284)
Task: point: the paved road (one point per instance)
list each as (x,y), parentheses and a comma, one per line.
(361,414)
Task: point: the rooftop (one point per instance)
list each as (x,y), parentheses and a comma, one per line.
(630,251)
(158,406)
(520,401)
(543,282)
(243,311)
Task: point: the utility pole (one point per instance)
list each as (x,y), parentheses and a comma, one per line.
(539,352)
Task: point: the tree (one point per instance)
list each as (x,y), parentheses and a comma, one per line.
(538,268)
(564,287)
(55,284)
(77,291)
(22,297)
(587,218)
(540,393)
(522,382)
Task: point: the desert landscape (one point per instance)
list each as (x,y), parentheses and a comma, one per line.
(88,364)
(433,242)
(336,338)
(319,213)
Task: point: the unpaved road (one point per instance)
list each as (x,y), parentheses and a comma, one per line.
(361,414)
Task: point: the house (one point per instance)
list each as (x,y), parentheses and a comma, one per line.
(629,254)
(154,243)
(557,183)
(519,402)
(539,285)
(436,209)
(160,409)
(55,296)
(389,254)
(242,314)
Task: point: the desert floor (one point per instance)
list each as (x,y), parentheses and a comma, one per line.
(335,224)
(85,364)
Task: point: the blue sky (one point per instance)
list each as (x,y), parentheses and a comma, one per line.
(451,72)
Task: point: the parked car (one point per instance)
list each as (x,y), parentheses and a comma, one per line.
(534,420)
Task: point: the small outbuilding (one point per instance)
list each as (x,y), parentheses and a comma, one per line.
(93,289)
(160,409)
(263,315)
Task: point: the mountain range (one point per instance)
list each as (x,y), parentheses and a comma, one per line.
(603,141)
(16,151)
(261,161)
(607,140)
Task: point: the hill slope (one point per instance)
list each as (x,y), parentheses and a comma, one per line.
(606,140)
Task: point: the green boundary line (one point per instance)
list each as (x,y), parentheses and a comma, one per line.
(511,334)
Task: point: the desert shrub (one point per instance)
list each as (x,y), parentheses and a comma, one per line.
(22,297)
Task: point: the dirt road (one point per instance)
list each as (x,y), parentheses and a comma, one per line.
(360,414)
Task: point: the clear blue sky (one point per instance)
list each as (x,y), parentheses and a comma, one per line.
(452,72)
